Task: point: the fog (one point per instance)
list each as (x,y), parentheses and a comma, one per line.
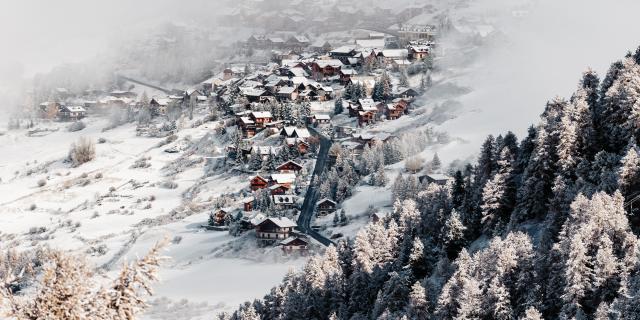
(541,55)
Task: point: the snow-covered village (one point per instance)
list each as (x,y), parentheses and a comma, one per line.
(295,159)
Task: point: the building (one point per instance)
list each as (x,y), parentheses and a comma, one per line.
(72,113)
(325,206)
(221,217)
(320,119)
(258,183)
(294,244)
(261,118)
(413,32)
(289,167)
(284,201)
(287,94)
(418,52)
(271,230)
(436,178)
(247,204)
(326,68)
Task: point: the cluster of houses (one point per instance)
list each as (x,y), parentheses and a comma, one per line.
(67,107)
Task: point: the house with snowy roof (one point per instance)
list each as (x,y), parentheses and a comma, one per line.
(325,206)
(271,230)
(294,244)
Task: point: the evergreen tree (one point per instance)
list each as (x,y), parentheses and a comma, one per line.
(338,106)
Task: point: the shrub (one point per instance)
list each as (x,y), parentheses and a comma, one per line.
(32,207)
(112,189)
(84,175)
(42,182)
(99,175)
(82,151)
(76,126)
(169,185)
(102,140)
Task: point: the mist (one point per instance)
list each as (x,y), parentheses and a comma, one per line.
(539,56)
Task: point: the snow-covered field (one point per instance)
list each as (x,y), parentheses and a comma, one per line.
(115,212)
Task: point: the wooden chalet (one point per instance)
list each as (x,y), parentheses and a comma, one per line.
(294,244)
(221,217)
(436,178)
(325,206)
(247,126)
(407,93)
(261,118)
(378,216)
(287,94)
(71,113)
(289,167)
(247,204)
(50,110)
(285,179)
(271,230)
(320,119)
(280,189)
(258,183)
(326,68)
(418,52)
(300,144)
(346,73)
(343,53)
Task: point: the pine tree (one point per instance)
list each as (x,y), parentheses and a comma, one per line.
(338,107)
(436,164)
(629,172)
(453,235)
(418,306)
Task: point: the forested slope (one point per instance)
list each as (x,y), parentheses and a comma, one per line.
(537,228)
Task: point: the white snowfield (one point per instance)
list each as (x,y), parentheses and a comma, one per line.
(83,214)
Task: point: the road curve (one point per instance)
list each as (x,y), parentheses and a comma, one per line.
(311,197)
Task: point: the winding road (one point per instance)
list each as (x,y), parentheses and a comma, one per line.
(306,212)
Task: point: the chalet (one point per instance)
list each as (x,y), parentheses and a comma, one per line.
(255,94)
(346,73)
(410,32)
(275,42)
(418,52)
(301,144)
(159,106)
(390,55)
(50,110)
(297,43)
(289,167)
(272,229)
(343,53)
(280,189)
(378,216)
(326,68)
(406,93)
(247,204)
(294,244)
(320,119)
(287,93)
(366,117)
(325,93)
(295,132)
(248,126)
(257,41)
(308,95)
(284,201)
(325,206)
(261,118)
(285,179)
(392,112)
(321,46)
(221,217)
(258,183)
(436,178)
(73,113)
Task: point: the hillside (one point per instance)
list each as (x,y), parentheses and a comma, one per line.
(541,228)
